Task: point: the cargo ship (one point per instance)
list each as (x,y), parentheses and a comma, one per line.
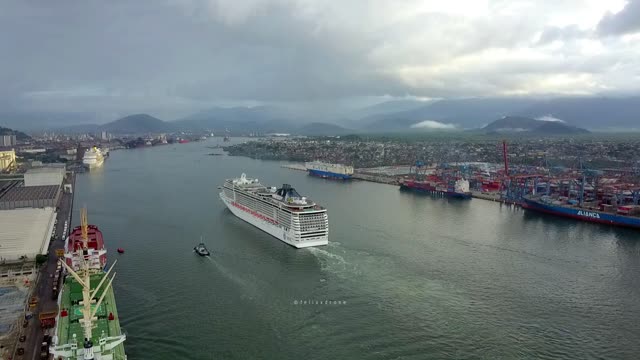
(93,158)
(454,188)
(622,215)
(280,212)
(95,244)
(87,325)
(329,171)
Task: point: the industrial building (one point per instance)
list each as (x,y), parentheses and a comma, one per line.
(27,224)
(28,213)
(20,196)
(25,233)
(7,159)
(8,140)
(43,176)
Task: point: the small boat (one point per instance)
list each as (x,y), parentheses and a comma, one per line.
(201,250)
(121,250)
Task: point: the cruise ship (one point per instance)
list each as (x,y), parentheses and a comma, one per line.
(280,212)
(93,158)
(330,171)
(87,325)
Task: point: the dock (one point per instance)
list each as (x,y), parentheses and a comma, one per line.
(487,196)
(299,167)
(44,284)
(382,179)
(393,180)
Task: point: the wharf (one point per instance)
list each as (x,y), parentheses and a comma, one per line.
(383,179)
(393,180)
(44,284)
(299,167)
(494,196)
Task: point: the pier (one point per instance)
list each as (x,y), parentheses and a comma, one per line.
(43,288)
(394,180)
(299,167)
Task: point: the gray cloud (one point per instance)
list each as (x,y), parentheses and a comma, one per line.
(174,57)
(624,22)
(567,33)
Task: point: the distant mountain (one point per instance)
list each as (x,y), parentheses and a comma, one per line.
(558,128)
(323,129)
(588,112)
(78,129)
(239,120)
(19,135)
(524,125)
(598,113)
(464,113)
(42,120)
(137,124)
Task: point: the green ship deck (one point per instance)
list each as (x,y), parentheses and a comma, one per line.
(70,325)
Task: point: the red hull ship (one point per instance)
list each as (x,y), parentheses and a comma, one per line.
(93,238)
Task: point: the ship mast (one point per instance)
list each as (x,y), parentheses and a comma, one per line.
(84,224)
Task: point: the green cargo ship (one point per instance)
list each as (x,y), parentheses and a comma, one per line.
(88,326)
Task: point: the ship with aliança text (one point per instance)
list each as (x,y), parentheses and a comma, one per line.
(329,171)
(625,215)
(280,212)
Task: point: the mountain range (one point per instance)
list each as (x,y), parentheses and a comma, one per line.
(527,126)
(19,135)
(587,112)
(593,113)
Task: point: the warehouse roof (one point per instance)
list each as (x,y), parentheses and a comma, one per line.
(29,193)
(25,232)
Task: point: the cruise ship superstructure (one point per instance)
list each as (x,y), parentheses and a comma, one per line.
(281,212)
(93,158)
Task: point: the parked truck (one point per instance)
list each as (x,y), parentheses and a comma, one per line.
(48,318)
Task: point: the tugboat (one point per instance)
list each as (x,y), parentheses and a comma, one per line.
(201,250)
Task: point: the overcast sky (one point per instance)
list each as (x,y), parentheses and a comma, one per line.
(172,57)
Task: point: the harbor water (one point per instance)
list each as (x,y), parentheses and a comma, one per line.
(405,276)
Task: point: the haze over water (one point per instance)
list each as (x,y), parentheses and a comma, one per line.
(416,277)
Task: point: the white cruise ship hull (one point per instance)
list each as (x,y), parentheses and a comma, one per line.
(289,237)
(93,164)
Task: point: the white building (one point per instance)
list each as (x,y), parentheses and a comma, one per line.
(25,233)
(44,176)
(7,140)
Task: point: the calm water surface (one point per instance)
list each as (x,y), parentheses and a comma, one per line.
(416,277)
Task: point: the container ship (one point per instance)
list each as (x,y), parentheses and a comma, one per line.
(617,215)
(433,185)
(329,171)
(87,326)
(280,212)
(93,158)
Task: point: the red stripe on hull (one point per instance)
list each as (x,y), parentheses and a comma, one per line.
(254,213)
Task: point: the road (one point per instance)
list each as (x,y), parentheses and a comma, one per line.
(44,284)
